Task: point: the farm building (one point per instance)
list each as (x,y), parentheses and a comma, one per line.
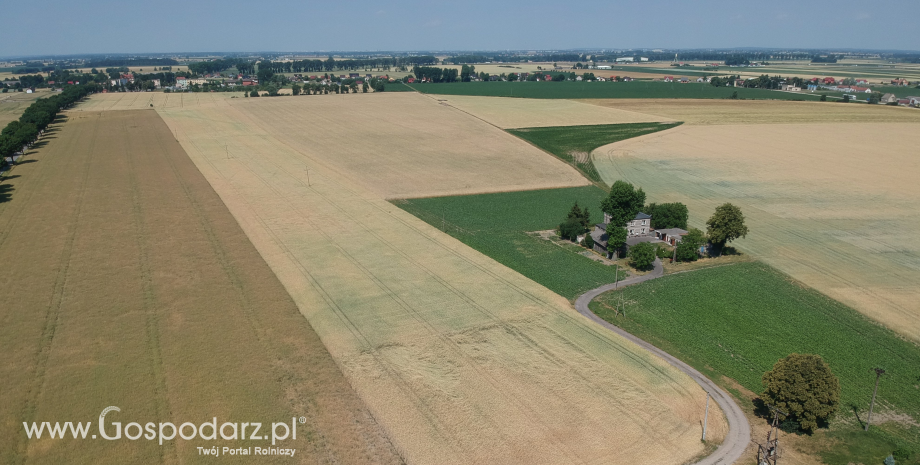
(637,231)
(888,98)
(791,88)
(671,235)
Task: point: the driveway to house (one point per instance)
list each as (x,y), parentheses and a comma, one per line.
(739,430)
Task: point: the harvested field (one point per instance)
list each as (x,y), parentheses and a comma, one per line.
(699,111)
(127,282)
(159,100)
(828,204)
(523,113)
(12,104)
(397,145)
(461,359)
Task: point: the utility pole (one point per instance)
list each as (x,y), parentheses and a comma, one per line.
(878,375)
(706,416)
(768,453)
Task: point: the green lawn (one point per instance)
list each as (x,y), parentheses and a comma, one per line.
(561,141)
(578,90)
(496,225)
(738,320)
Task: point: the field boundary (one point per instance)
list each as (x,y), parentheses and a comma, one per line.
(739,429)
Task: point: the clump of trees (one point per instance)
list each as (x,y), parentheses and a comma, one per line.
(668,215)
(576,223)
(803,386)
(689,245)
(642,255)
(725,225)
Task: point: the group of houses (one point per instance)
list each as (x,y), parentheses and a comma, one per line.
(638,230)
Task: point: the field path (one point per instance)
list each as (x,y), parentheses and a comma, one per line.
(739,430)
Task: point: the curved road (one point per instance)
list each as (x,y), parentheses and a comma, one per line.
(739,430)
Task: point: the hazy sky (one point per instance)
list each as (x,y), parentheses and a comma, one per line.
(104,26)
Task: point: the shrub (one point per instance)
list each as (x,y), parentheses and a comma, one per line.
(663,252)
(588,241)
(803,386)
(642,255)
(689,245)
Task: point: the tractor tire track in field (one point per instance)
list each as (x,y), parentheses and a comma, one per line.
(739,430)
(278,168)
(53,311)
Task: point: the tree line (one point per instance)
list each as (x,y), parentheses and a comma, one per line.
(19,135)
(216,66)
(331,64)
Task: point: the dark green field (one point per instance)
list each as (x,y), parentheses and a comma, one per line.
(577,90)
(496,225)
(738,320)
(397,87)
(561,141)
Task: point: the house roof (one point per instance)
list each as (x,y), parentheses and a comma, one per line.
(672,231)
(642,216)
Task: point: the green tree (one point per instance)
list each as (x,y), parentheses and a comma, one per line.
(364,87)
(642,255)
(668,215)
(588,241)
(616,238)
(803,386)
(254,93)
(265,75)
(623,202)
(689,245)
(576,223)
(726,225)
(823,98)
(295,89)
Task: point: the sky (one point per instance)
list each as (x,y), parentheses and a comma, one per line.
(59,27)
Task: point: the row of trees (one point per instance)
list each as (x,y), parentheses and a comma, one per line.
(331,64)
(21,134)
(434,74)
(216,66)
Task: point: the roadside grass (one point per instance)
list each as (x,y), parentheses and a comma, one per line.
(588,90)
(738,320)
(573,144)
(498,226)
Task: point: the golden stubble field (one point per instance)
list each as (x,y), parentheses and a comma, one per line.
(12,104)
(127,282)
(832,205)
(461,359)
(759,111)
(508,113)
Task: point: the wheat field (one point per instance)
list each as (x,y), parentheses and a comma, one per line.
(459,358)
(832,205)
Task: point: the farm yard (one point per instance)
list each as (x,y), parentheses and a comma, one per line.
(127,282)
(826,203)
(461,359)
(766,316)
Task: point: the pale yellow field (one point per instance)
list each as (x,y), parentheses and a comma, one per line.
(158,100)
(527,113)
(403,144)
(12,104)
(461,359)
(693,111)
(833,205)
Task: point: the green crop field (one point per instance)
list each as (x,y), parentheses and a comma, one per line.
(573,144)
(497,225)
(579,90)
(397,87)
(738,320)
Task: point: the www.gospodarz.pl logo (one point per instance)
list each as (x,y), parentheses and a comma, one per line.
(133,431)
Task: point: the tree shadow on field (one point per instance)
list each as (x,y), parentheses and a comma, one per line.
(6,190)
(23,162)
